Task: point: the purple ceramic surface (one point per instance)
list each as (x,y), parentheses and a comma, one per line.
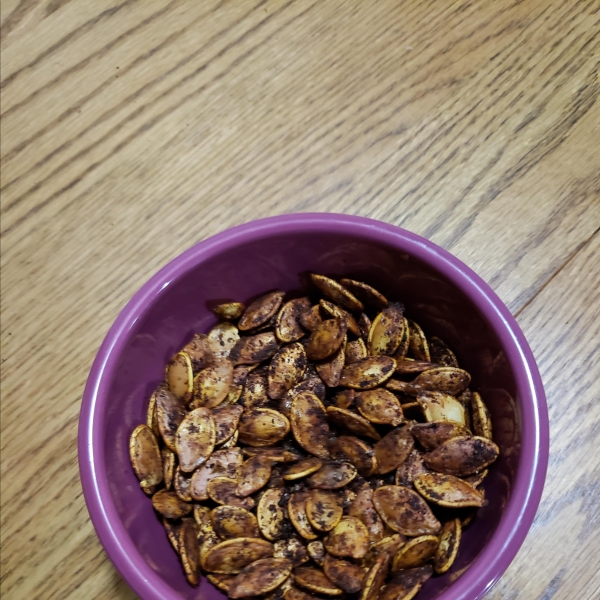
(439,291)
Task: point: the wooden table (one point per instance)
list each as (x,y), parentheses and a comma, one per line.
(133,129)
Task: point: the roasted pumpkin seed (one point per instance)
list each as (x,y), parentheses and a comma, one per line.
(349,539)
(343,574)
(477,478)
(447,549)
(416,552)
(302,468)
(296,594)
(189,550)
(270,513)
(352,422)
(287,326)
(418,345)
(222,338)
(355,350)
(449,380)
(323,510)
(363,509)
(387,330)
(439,406)
(375,577)
(260,577)
(330,369)
(389,544)
(226,420)
(231,556)
(182,484)
(405,511)
(203,519)
(262,427)
(344,398)
(145,457)
(482,422)
(315,581)
(333,476)
(313,385)
(222,490)
(172,529)
(169,505)
(280,455)
(234,522)
(393,449)
(260,311)
(291,549)
(230,311)
(462,456)
(255,474)
(402,351)
(365,293)
(310,319)
(336,292)
(254,348)
(364,324)
(220,581)
(405,584)
(180,377)
(430,435)
(308,420)
(408,366)
(151,416)
(316,550)
(198,349)
(441,353)
(326,339)
(211,385)
(170,412)
(195,439)
(340,313)
(448,491)
(356,451)
(255,394)
(168,466)
(410,469)
(379,406)
(224,462)
(368,373)
(286,369)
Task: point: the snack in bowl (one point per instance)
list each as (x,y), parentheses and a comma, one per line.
(320,445)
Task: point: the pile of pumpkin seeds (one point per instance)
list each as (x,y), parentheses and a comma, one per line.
(319,446)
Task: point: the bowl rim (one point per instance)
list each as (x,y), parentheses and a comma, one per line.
(522,506)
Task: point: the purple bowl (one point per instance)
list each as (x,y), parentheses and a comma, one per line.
(445,297)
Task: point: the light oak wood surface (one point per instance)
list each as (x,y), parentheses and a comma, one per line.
(133,129)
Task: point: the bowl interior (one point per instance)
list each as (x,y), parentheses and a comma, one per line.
(281,260)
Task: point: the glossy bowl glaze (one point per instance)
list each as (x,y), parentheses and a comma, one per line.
(439,291)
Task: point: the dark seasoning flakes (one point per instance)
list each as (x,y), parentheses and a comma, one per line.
(299,483)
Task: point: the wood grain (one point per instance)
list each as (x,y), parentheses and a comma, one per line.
(131,130)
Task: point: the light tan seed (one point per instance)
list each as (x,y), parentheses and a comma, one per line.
(336,292)
(198,349)
(448,491)
(270,513)
(292,549)
(368,373)
(315,581)
(340,313)
(323,510)
(365,293)
(254,348)
(224,462)
(287,326)
(226,421)
(222,490)
(352,422)
(387,330)
(170,412)
(211,385)
(349,539)
(482,422)
(255,474)
(222,338)
(333,476)
(230,311)
(330,369)
(145,457)
(286,370)
(380,406)
(343,574)
(449,380)
(231,556)
(363,509)
(234,522)
(438,406)
(302,468)
(462,456)
(261,311)
(262,427)
(430,435)
(416,552)
(260,577)
(356,451)
(393,449)
(169,505)
(405,511)
(326,338)
(297,513)
(308,420)
(418,346)
(179,376)
(189,550)
(447,549)
(195,439)
(151,416)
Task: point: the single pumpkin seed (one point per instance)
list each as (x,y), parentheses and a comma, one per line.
(390,544)
(344,398)
(335,311)
(356,451)
(222,490)
(260,577)
(349,539)
(222,338)
(449,380)
(270,513)
(441,353)
(168,465)
(323,510)
(405,511)
(223,462)
(169,505)
(195,439)
(254,348)
(363,509)
(333,476)
(220,581)
(198,349)
(255,394)
(447,549)
(353,422)
(438,406)
(151,416)
(287,326)
(261,311)
(170,412)
(364,324)
(315,581)
(406,584)
(230,311)
(316,550)
(408,366)
(180,376)
(262,427)
(310,319)
(482,422)
(308,420)
(365,293)
(297,513)
(302,468)
(286,370)
(255,474)
(387,330)
(448,491)
(418,346)
(379,406)
(314,385)
(432,434)
(336,292)
(330,369)
(182,484)
(410,469)
(393,449)
(234,522)
(226,420)
(203,520)
(368,373)
(355,350)
(403,346)
(231,556)
(343,574)
(211,385)
(145,457)
(172,529)
(280,455)
(477,478)
(416,552)
(326,338)
(189,550)
(292,549)
(462,456)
